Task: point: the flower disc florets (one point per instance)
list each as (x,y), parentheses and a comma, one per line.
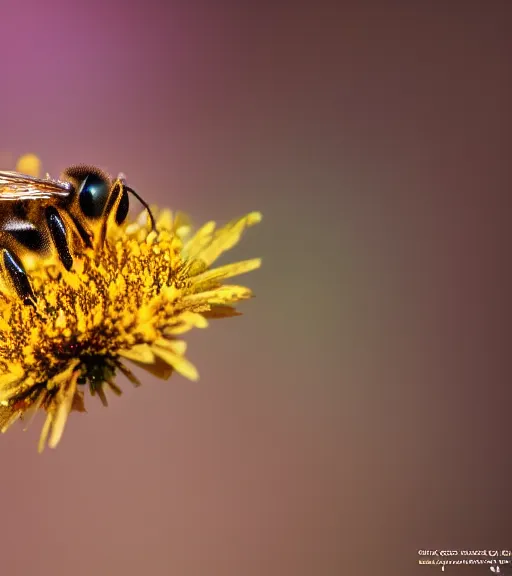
(131,300)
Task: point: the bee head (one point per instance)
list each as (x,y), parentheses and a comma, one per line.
(98,201)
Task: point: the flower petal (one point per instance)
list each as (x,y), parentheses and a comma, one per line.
(63,409)
(193,319)
(179,363)
(176,346)
(221,311)
(200,240)
(7,417)
(222,295)
(78,402)
(227,237)
(44,432)
(228,271)
(158,368)
(9,381)
(31,411)
(139,352)
(185,322)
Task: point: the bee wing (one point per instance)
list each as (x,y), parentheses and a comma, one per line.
(15,186)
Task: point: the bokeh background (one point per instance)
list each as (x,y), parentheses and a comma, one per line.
(359,411)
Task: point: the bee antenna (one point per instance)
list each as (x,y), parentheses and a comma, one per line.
(144,203)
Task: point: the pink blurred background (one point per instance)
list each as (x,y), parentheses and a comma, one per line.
(359,410)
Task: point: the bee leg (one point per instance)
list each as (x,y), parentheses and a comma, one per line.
(59,235)
(18,276)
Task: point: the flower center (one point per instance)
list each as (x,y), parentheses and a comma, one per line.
(96,369)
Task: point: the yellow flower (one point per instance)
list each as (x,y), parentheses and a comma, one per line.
(132,301)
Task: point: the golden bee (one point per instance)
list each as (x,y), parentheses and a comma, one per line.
(55,219)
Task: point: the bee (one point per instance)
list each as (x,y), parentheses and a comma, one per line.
(55,219)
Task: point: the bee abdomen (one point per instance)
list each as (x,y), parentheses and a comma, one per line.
(27,235)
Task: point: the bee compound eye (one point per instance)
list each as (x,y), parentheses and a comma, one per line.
(93,196)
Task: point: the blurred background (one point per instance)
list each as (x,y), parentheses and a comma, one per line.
(359,410)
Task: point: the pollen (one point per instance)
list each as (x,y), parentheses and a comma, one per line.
(132,301)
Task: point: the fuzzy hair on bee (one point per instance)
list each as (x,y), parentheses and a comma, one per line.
(55,220)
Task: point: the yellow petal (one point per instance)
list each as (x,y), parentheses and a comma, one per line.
(44,432)
(158,368)
(139,352)
(228,271)
(14,375)
(65,375)
(32,410)
(227,237)
(200,239)
(222,295)
(177,330)
(185,322)
(9,382)
(179,363)
(78,402)
(181,223)
(194,319)
(221,311)
(8,417)
(176,346)
(164,220)
(63,409)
